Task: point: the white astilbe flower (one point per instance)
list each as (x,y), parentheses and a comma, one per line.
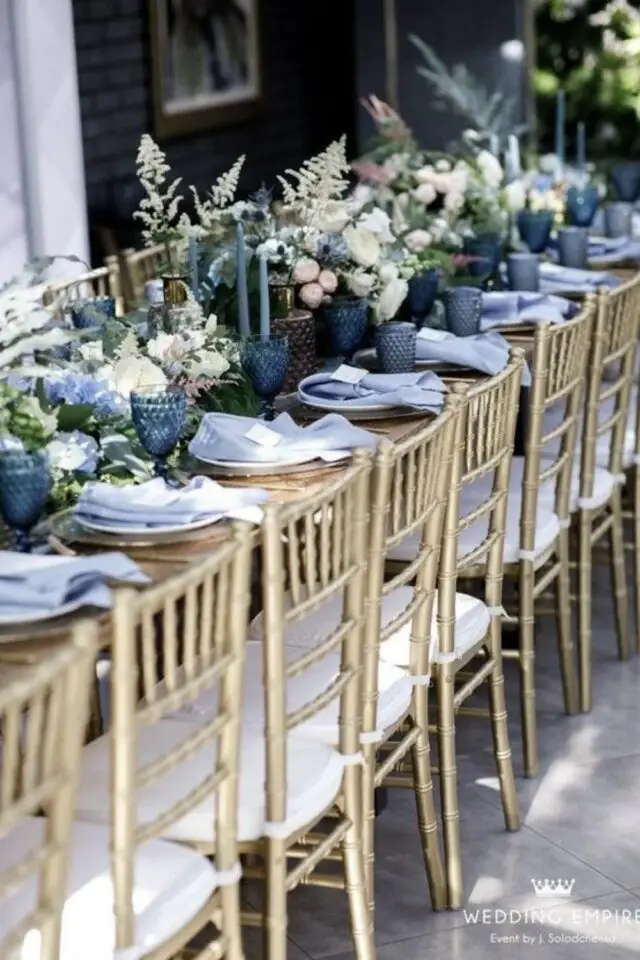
(221,196)
(158,211)
(319,180)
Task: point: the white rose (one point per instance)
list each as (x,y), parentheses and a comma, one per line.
(334,217)
(490,168)
(131,373)
(377,222)
(425,193)
(399,210)
(391,299)
(418,240)
(425,174)
(453,202)
(443,166)
(388,272)
(209,364)
(360,283)
(459,179)
(515,195)
(362,245)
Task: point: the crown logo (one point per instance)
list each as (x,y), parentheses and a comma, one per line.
(552,888)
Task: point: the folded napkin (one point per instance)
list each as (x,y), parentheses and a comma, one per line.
(222,436)
(156,504)
(613,249)
(558,278)
(421,391)
(485,352)
(32,584)
(500,308)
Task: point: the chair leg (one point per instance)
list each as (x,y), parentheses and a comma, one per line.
(527,671)
(585,562)
(500,731)
(636,549)
(425,806)
(275,902)
(231,921)
(564,627)
(352,851)
(619,575)
(445,686)
(368,822)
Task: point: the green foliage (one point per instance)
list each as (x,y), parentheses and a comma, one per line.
(591,50)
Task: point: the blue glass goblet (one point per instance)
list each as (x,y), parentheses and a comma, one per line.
(485,252)
(423,290)
(158,414)
(93,312)
(265,360)
(25,481)
(347,319)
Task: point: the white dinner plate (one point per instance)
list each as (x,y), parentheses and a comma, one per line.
(257,464)
(346,409)
(125,529)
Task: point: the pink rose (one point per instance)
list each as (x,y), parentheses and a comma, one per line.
(307,270)
(328,281)
(312,295)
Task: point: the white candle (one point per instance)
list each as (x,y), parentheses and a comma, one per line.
(193,265)
(265,319)
(494,144)
(241,283)
(514,156)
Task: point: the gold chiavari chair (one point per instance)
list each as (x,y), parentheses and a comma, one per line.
(43,714)
(140,266)
(150,778)
(101,282)
(473,545)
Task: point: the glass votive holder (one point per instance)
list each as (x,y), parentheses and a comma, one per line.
(573,247)
(463,310)
(523,271)
(618,219)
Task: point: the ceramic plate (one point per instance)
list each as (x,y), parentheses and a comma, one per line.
(115,529)
(255,465)
(228,469)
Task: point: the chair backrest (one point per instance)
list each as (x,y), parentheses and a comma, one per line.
(484,440)
(170,643)
(559,363)
(43,717)
(139,267)
(613,347)
(314,552)
(101,282)
(409,487)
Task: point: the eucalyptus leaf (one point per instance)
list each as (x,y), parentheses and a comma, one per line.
(73,416)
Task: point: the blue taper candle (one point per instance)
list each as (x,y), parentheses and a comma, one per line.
(265,318)
(244,326)
(193,266)
(581,150)
(560,128)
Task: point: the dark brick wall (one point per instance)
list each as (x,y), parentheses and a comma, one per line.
(300,113)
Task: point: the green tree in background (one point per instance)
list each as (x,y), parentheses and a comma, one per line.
(591,50)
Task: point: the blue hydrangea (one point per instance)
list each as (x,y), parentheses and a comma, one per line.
(78,388)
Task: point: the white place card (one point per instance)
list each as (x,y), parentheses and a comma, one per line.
(263,436)
(347,374)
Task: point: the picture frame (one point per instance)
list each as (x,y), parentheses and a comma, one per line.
(205,64)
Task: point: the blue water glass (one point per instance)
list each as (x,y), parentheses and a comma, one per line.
(25,482)
(463,310)
(396,347)
(92,312)
(582,204)
(266,361)
(346,319)
(618,219)
(423,290)
(535,228)
(573,247)
(523,271)
(158,414)
(625,178)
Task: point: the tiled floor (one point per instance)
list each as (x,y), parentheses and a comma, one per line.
(581,822)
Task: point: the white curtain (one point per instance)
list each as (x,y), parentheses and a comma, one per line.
(13,228)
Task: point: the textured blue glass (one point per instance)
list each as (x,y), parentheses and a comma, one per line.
(582,203)
(625,178)
(266,361)
(463,310)
(346,319)
(618,219)
(25,481)
(158,414)
(534,228)
(422,294)
(573,247)
(90,313)
(396,347)
(523,271)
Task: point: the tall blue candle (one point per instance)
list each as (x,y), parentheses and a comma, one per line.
(193,265)
(244,326)
(265,319)
(581,151)
(560,128)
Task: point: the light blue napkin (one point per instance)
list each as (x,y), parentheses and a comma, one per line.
(603,250)
(511,307)
(222,436)
(486,352)
(31,583)
(555,278)
(420,391)
(156,504)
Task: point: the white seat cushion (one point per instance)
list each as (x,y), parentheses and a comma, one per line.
(314,778)
(171,884)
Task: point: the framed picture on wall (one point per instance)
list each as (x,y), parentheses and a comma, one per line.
(205,63)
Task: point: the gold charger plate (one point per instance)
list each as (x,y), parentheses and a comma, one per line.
(253,471)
